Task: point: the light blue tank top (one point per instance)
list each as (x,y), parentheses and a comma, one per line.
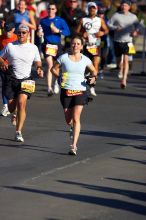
(18,17)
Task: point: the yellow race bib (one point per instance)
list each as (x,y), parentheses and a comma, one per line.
(94,50)
(28,86)
(131,48)
(51,50)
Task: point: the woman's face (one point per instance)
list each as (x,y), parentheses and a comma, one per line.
(22,6)
(76,45)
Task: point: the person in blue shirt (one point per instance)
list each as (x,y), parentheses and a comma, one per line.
(53,27)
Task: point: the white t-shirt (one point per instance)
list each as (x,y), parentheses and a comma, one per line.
(72,73)
(21,58)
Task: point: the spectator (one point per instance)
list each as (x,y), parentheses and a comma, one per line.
(71,14)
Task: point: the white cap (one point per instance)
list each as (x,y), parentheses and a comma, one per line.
(91,4)
(24,27)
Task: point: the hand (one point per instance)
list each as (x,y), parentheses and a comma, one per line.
(85,35)
(91,80)
(40,72)
(134,34)
(24,22)
(4,67)
(54,29)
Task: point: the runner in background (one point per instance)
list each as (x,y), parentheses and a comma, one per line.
(20,15)
(53,28)
(92,29)
(126,26)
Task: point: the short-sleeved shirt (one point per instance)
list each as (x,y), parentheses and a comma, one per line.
(21,58)
(73,73)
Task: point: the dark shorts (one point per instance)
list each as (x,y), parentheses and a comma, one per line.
(60,50)
(71,101)
(12,87)
(121,48)
(89,55)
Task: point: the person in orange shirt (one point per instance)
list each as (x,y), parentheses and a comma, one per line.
(7,37)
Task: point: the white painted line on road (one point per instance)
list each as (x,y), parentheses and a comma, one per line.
(54,171)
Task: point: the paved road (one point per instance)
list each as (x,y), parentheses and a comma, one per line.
(106,180)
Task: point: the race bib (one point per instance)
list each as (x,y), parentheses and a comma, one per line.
(94,50)
(28,86)
(131,48)
(64,79)
(51,50)
(73,92)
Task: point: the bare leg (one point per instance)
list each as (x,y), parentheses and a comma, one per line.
(12,105)
(49,61)
(21,111)
(126,68)
(77,110)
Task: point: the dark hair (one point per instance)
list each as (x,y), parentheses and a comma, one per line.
(78,36)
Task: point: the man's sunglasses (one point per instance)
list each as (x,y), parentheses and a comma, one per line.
(22,32)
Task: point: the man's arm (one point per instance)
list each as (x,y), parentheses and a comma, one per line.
(3,64)
(103,30)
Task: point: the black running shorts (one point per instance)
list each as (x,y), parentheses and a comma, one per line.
(71,101)
(12,88)
(121,48)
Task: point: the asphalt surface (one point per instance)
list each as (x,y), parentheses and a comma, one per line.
(107,178)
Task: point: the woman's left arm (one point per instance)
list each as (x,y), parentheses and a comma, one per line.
(93,76)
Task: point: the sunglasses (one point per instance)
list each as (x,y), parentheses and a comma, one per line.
(22,32)
(51,8)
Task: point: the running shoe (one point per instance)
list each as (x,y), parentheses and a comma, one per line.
(92,91)
(56,88)
(123,85)
(120,75)
(13,119)
(73,151)
(50,92)
(5,112)
(101,75)
(18,137)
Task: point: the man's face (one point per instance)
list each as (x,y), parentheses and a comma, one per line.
(92,11)
(73,4)
(52,10)
(125,7)
(22,36)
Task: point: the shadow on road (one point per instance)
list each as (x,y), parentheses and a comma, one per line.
(107,202)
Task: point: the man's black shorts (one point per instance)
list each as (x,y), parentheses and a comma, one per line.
(71,101)
(121,48)
(12,87)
